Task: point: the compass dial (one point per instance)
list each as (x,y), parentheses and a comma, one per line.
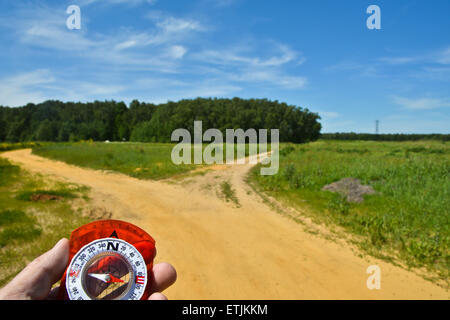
(107,269)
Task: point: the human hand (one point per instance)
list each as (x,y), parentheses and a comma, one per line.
(36,280)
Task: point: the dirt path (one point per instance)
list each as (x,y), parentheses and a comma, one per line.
(224,251)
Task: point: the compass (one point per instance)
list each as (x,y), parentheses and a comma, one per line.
(115,267)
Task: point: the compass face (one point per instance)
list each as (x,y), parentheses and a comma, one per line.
(107,269)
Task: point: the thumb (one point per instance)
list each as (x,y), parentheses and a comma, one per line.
(36,280)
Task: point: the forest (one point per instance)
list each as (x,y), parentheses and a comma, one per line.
(54,120)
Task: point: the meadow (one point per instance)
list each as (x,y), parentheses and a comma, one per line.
(405,221)
(139,160)
(18,145)
(34,214)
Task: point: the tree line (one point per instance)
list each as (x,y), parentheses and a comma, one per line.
(384,137)
(147,122)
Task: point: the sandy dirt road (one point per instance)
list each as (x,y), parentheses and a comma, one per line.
(224,251)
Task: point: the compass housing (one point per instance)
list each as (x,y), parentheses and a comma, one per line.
(109,259)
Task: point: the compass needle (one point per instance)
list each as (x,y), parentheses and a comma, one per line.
(114,279)
(102,277)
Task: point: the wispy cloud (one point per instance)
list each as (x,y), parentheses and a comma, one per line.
(149,57)
(250,68)
(167,30)
(427,65)
(415,123)
(154,49)
(441,56)
(421,103)
(111,2)
(329,114)
(223,3)
(362,69)
(235,57)
(25,87)
(177,52)
(271,77)
(398,60)
(42,84)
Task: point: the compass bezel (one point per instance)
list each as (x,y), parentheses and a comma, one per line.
(76,272)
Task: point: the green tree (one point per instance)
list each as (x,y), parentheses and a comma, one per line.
(47,131)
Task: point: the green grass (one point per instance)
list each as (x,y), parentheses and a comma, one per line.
(19,145)
(29,228)
(409,217)
(229,193)
(17,226)
(139,160)
(8,173)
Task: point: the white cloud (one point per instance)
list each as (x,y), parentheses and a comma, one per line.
(222,3)
(126,44)
(398,60)
(160,90)
(25,87)
(39,85)
(227,57)
(365,70)
(129,2)
(177,52)
(254,69)
(270,77)
(421,103)
(435,57)
(44,27)
(110,64)
(167,31)
(177,25)
(329,114)
(444,56)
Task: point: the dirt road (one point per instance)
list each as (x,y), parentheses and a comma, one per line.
(224,251)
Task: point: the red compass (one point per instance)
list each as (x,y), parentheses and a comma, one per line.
(109,260)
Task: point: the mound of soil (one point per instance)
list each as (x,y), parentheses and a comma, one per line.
(350,188)
(45,197)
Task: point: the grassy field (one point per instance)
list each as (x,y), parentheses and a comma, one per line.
(139,160)
(34,215)
(19,145)
(406,220)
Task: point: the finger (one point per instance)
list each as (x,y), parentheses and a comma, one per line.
(54,293)
(157,296)
(164,275)
(36,280)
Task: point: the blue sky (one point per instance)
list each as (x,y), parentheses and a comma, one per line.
(318,55)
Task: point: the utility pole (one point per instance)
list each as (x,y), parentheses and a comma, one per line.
(377,126)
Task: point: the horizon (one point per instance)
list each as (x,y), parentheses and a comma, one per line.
(320,57)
